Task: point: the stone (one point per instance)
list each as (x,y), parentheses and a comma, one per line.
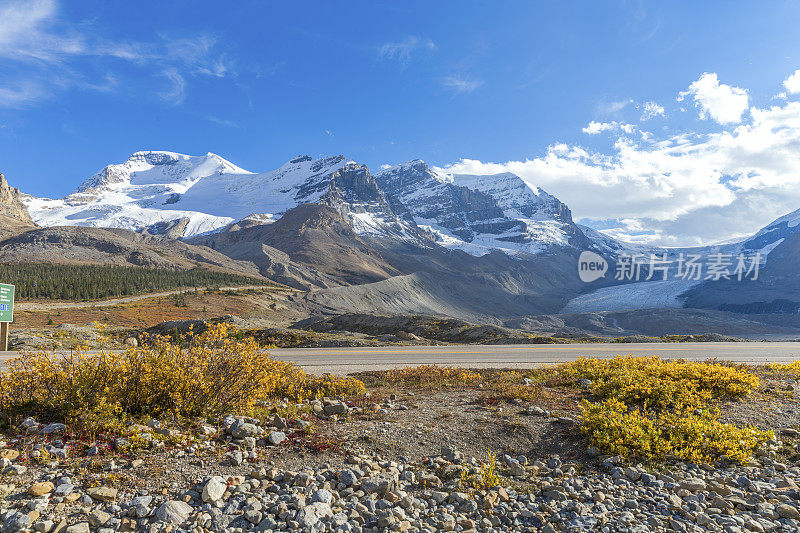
(55,427)
(323,496)
(103,494)
(80,527)
(174,512)
(787,511)
(63,490)
(693,484)
(347,477)
(16,521)
(240,430)
(41,488)
(214,489)
(310,516)
(9,454)
(335,408)
(98,517)
(276,437)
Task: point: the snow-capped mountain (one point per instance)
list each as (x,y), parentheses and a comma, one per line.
(478,214)
(185,196)
(153,191)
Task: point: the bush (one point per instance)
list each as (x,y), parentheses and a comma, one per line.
(792,369)
(431,376)
(656,383)
(217,373)
(653,408)
(692,436)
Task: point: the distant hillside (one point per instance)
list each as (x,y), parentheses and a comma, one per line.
(92,282)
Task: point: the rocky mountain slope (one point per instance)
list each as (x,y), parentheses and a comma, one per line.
(14,217)
(478,214)
(106,246)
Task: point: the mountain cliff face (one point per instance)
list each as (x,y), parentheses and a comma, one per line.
(10,203)
(478,214)
(14,216)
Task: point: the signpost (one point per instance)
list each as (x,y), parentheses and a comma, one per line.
(6,313)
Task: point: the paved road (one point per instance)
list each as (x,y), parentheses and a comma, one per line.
(342,361)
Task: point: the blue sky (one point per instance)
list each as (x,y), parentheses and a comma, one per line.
(467,86)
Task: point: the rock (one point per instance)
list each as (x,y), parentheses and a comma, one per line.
(55,427)
(347,477)
(517,470)
(132,342)
(787,511)
(276,437)
(29,425)
(140,506)
(80,527)
(174,512)
(214,489)
(323,496)
(41,488)
(103,494)
(693,484)
(310,516)
(64,489)
(234,458)
(9,454)
(98,517)
(16,521)
(43,526)
(241,429)
(634,474)
(335,408)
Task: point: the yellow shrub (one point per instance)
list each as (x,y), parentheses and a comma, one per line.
(792,369)
(654,408)
(431,375)
(216,373)
(657,383)
(483,478)
(686,435)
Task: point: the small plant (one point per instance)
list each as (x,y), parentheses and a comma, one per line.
(484,477)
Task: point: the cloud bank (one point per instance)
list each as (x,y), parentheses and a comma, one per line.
(682,189)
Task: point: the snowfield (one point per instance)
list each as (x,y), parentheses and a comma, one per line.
(642,295)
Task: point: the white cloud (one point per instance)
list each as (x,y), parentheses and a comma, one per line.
(651,110)
(723,103)
(612,108)
(597,127)
(460,85)
(792,83)
(41,55)
(403,50)
(684,189)
(176,93)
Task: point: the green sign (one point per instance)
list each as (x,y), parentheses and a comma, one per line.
(6,303)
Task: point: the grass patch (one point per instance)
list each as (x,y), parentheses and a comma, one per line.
(430,376)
